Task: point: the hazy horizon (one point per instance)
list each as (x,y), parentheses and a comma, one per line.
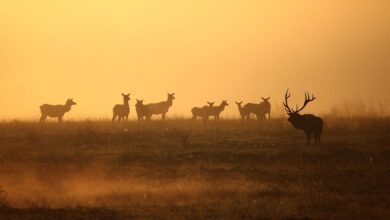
(93,51)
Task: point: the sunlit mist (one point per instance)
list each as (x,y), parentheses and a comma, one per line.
(92,51)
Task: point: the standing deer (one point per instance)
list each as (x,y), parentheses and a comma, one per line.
(161,107)
(141,109)
(216,110)
(256,109)
(202,112)
(243,111)
(310,124)
(265,107)
(55,111)
(260,110)
(122,111)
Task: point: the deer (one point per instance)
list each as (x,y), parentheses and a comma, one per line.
(141,109)
(259,109)
(310,124)
(161,107)
(202,112)
(216,110)
(243,111)
(122,111)
(265,107)
(256,109)
(55,111)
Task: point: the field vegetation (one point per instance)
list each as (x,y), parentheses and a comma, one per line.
(179,168)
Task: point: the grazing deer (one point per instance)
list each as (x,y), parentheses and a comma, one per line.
(310,124)
(122,111)
(216,110)
(55,111)
(243,111)
(141,109)
(202,112)
(265,108)
(161,107)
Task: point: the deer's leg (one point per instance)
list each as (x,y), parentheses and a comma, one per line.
(163,116)
(113,117)
(60,119)
(308,138)
(317,138)
(43,119)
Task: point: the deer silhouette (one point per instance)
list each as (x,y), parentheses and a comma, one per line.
(265,108)
(202,112)
(310,124)
(55,111)
(122,111)
(141,109)
(216,110)
(259,109)
(256,109)
(243,111)
(161,107)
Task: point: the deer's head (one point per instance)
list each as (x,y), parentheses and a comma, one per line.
(239,104)
(139,102)
(224,103)
(126,97)
(70,102)
(171,96)
(293,115)
(211,104)
(265,99)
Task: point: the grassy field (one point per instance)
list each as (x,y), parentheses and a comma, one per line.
(179,169)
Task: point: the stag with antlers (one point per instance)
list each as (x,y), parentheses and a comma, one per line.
(310,124)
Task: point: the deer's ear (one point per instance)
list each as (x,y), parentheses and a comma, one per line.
(123,94)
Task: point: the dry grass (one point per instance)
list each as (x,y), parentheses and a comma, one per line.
(181,169)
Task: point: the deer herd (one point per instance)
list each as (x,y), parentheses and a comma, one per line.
(310,124)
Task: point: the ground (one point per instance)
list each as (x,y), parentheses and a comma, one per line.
(180,169)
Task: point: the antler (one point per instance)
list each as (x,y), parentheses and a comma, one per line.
(285,103)
(307,100)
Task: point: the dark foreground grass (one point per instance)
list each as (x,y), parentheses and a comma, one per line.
(181,169)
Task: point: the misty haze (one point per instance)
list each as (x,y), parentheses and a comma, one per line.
(194,110)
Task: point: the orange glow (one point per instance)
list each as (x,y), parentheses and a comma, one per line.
(93,50)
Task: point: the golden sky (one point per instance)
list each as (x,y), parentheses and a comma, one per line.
(93,50)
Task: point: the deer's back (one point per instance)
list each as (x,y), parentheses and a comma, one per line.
(52,110)
(310,123)
(252,107)
(157,107)
(204,111)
